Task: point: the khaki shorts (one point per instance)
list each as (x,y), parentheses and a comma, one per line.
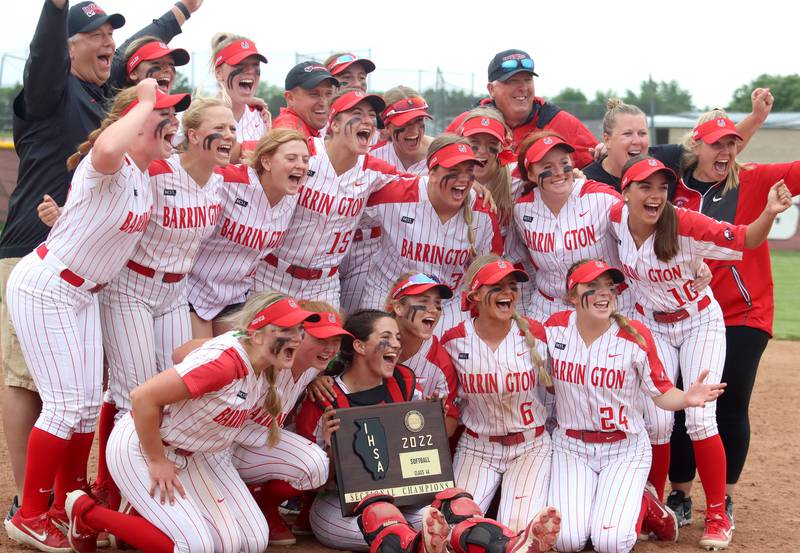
(14,367)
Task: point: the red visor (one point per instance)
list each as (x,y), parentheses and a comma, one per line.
(419,284)
(236,52)
(284,313)
(540,148)
(496,271)
(451,155)
(591,270)
(711,131)
(346,60)
(328,326)
(485,125)
(154,51)
(641,170)
(180,101)
(352,99)
(403,111)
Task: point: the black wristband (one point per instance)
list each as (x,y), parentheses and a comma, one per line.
(184,10)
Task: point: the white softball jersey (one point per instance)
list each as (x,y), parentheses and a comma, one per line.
(224,389)
(103,220)
(184,214)
(597,388)
(496,389)
(554,242)
(414,238)
(666,286)
(248,228)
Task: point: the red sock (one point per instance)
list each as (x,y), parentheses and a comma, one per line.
(659,469)
(709,455)
(132,529)
(45,455)
(640,519)
(104,427)
(71,474)
(274,491)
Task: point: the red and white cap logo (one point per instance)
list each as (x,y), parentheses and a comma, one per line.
(547,140)
(462,148)
(485,121)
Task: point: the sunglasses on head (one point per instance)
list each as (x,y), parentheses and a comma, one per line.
(415,280)
(404,105)
(510,65)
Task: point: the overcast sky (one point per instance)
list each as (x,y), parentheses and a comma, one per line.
(709,47)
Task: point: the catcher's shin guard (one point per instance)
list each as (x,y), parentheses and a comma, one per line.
(376,513)
(480,535)
(456,505)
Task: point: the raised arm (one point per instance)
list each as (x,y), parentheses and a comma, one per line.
(110,147)
(762,104)
(47,68)
(778,201)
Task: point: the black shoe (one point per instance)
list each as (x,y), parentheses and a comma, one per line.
(682,506)
(729,510)
(14,508)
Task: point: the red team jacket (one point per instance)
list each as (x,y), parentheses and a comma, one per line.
(744,289)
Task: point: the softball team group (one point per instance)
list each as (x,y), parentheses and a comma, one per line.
(240,279)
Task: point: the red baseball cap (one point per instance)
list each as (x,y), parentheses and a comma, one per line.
(352,99)
(641,170)
(237,51)
(344,61)
(496,271)
(539,149)
(155,50)
(163,100)
(328,326)
(456,123)
(591,270)
(419,283)
(711,131)
(403,111)
(451,155)
(284,313)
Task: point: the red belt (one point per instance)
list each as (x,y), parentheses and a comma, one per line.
(374,232)
(303,273)
(509,439)
(177,450)
(594,437)
(675,316)
(76,280)
(169,278)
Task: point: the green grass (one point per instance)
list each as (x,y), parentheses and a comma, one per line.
(785,271)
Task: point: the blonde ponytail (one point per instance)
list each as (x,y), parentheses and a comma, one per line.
(530,340)
(623,322)
(473,251)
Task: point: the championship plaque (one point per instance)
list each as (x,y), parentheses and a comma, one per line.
(400,449)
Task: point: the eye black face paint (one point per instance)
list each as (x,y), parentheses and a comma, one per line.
(352,122)
(493,291)
(209,139)
(414,310)
(278,345)
(543,175)
(494,150)
(233,74)
(585,298)
(568,168)
(445,182)
(161,126)
(152,72)
(396,133)
(382,346)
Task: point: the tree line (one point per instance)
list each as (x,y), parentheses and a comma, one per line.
(660,97)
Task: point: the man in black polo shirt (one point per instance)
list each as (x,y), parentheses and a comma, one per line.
(64,97)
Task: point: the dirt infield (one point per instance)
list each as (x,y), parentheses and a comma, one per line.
(766,513)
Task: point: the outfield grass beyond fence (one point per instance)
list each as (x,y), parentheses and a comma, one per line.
(786,274)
